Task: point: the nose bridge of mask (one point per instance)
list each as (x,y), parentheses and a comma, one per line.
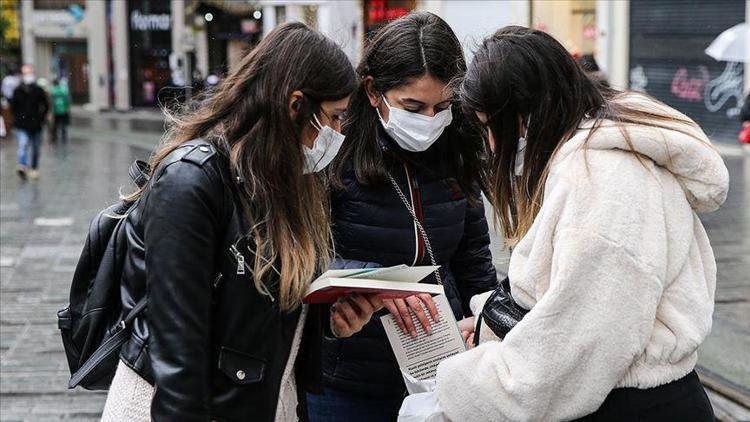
(411,114)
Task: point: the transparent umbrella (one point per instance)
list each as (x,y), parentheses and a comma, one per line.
(731,45)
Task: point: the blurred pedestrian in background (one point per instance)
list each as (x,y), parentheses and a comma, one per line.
(60,110)
(9,84)
(591,67)
(744,136)
(29,104)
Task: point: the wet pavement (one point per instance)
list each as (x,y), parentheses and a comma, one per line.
(43,224)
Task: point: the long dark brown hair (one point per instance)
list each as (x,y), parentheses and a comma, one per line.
(418,44)
(520,75)
(248,118)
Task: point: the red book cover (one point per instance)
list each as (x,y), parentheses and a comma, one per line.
(393,282)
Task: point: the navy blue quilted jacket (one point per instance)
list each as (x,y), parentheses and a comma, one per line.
(372,227)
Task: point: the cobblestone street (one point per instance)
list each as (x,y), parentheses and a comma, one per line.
(43,224)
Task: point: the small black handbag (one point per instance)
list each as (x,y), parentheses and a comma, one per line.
(500,312)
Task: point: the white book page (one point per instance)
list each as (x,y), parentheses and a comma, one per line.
(401,273)
(420,356)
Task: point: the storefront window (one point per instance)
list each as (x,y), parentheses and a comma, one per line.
(150,26)
(572,22)
(380,12)
(231,33)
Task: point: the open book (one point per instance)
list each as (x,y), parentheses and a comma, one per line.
(391,282)
(419,357)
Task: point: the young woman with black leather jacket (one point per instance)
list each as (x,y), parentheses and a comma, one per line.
(226,237)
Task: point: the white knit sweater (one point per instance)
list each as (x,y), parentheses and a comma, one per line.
(619,275)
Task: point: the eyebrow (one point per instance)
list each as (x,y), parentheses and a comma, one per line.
(412,100)
(336,110)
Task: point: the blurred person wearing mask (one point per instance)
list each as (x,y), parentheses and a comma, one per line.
(9,84)
(590,66)
(60,110)
(30,106)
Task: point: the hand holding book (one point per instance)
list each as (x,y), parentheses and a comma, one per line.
(350,313)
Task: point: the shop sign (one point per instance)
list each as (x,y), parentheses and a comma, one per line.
(55,18)
(150,22)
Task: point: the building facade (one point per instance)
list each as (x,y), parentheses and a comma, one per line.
(121,53)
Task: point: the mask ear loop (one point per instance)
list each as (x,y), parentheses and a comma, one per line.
(316,123)
(525,140)
(380,116)
(526,128)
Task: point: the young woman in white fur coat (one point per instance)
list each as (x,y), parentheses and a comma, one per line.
(609,254)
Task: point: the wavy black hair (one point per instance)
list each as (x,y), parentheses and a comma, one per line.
(415,45)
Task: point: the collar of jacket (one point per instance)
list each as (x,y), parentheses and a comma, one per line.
(391,149)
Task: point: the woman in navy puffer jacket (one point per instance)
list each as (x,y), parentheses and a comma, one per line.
(403,128)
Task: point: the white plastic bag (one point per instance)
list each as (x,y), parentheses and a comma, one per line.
(422,404)
(422,407)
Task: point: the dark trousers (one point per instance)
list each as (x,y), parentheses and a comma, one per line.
(60,127)
(340,406)
(683,400)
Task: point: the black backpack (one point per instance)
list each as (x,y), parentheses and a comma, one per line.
(92,326)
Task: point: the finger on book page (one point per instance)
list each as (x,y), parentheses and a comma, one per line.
(426,298)
(403,310)
(416,306)
(391,306)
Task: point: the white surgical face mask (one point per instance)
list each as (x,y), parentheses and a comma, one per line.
(413,131)
(29,79)
(325,148)
(521,150)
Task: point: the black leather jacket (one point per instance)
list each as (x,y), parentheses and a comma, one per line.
(214,348)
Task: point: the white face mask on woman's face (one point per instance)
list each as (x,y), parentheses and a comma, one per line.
(413,131)
(28,79)
(324,150)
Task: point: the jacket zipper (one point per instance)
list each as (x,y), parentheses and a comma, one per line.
(416,203)
(242,265)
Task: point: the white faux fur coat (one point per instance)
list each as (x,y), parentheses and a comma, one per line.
(619,275)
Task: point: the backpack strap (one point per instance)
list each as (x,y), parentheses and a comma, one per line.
(120,335)
(139,172)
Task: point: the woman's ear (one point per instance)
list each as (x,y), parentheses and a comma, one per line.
(295,104)
(372,95)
